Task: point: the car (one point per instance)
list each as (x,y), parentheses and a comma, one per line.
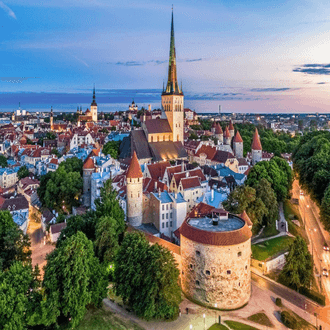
(326,247)
(302,192)
(325,272)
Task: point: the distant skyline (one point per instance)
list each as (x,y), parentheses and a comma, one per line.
(262,56)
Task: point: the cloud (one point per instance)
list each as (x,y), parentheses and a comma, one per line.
(321,83)
(15,80)
(8,11)
(131,63)
(261,90)
(313,69)
(194,60)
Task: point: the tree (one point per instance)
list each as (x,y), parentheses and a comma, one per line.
(73,164)
(267,195)
(55,152)
(324,209)
(69,280)
(298,269)
(19,297)
(107,233)
(23,172)
(14,244)
(112,148)
(146,277)
(3,161)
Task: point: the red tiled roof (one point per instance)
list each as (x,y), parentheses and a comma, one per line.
(218,129)
(134,170)
(256,144)
(197,172)
(238,138)
(208,150)
(231,126)
(157,170)
(89,164)
(57,228)
(190,182)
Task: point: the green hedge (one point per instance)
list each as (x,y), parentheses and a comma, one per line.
(289,320)
(317,297)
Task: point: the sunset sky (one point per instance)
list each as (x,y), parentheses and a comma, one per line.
(251,55)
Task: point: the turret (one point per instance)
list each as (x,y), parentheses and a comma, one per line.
(231,129)
(226,137)
(218,133)
(256,148)
(94,107)
(134,178)
(238,145)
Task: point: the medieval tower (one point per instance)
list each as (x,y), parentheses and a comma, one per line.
(172,96)
(134,178)
(51,120)
(238,145)
(256,148)
(94,107)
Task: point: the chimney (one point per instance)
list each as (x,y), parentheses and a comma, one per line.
(156,185)
(159,192)
(175,195)
(187,174)
(182,166)
(212,195)
(215,221)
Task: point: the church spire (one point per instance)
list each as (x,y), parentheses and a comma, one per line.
(94,102)
(172,86)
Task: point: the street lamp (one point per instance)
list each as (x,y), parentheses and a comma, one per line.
(190,326)
(215,312)
(204,321)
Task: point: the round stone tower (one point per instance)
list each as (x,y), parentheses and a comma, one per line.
(256,148)
(226,137)
(134,179)
(215,259)
(218,133)
(231,129)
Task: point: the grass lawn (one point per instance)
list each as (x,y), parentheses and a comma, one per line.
(239,326)
(269,231)
(264,250)
(261,318)
(101,319)
(218,327)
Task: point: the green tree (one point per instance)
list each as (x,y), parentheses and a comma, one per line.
(14,244)
(23,172)
(73,164)
(267,195)
(3,161)
(298,269)
(69,280)
(112,148)
(324,209)
(146,277)
(55,152)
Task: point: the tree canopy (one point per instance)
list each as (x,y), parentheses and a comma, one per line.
(3,161)
(298,269)
(112,148)
(146,277)
(23,172)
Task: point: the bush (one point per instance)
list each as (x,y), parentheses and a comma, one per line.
(289,320)
(317,297)
(278,302)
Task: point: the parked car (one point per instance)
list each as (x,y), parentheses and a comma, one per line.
(325,272)
(325,247)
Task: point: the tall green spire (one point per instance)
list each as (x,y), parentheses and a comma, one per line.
(94,102)
(172,86)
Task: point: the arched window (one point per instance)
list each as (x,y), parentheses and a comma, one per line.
(178,138)
(152,139)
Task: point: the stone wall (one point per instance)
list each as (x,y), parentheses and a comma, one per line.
(134,201)
(216,274)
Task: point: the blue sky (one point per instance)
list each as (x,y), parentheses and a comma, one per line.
(266,54)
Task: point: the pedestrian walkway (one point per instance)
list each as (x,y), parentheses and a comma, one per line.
(257,241)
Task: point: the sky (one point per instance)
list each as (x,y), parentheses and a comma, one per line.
(247,56)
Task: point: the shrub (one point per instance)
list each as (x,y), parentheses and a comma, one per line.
(278,302)
(289,320)
(317,297)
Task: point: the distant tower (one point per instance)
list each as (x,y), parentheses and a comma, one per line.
(231,129)
(94,107)
(256,148)
(134,178)
(226,137)
(172,96)
(238,145)
(88,170)
(51,119)
(218,133)
(13,117)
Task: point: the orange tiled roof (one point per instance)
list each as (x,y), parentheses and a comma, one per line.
(256,144)
(134,170)
(238,138)
(89,164)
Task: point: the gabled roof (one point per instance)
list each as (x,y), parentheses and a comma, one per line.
(158,126)
(256,144)
(134,170)
(188,183)
(238,138)
(157,170)
(89,164)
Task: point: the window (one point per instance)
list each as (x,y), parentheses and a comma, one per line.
(171,224)
(260,265)
(138,194)
(207,272)
(239,254)
(171,206)
(228,272)
(163,207)
(245,267)
(166,215)
(166,224)
(166,206)
(239,283)
(191,266)
(171,215)
(163,225)
(182,272)
(163,216)
(197,282)
(198,253)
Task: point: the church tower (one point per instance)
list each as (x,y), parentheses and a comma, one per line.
(94,107)
(134,183)
(172,96)
(51,120)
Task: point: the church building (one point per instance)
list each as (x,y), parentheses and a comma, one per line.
(161,139)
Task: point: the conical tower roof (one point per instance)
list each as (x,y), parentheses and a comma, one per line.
(231,126)
(256,144)
(172,86)
(134,169)
(226,134)
(218,129)
(238,138)
(93,102)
